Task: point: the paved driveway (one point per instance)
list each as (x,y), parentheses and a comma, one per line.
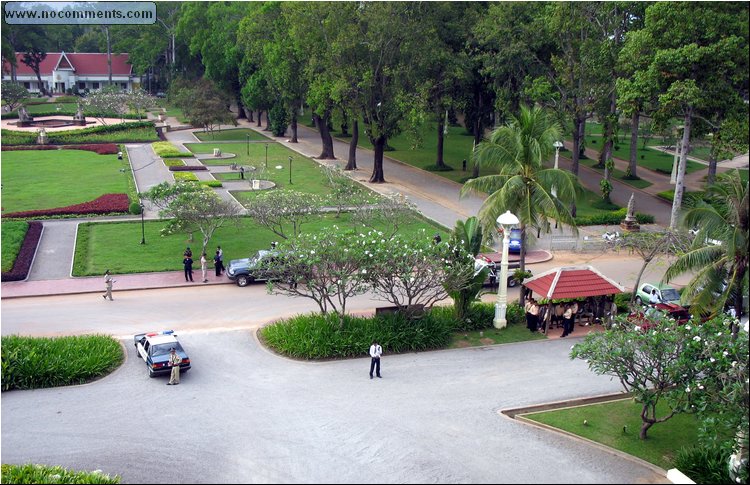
(244,415)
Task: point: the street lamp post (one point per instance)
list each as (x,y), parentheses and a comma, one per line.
(505,221)
(143,226)
(290,170)
(558,145)
(266,155)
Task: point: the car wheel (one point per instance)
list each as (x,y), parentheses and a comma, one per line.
(638,301)
(512,282)
(242,280)
(151,373)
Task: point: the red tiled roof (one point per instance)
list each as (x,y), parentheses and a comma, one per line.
(85,64)
(572,282)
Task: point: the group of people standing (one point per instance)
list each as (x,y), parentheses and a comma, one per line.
(187,263)
(564,314)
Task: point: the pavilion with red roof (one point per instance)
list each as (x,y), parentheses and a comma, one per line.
(572,282)
(61,71)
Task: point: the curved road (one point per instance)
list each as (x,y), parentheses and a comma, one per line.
(245,415)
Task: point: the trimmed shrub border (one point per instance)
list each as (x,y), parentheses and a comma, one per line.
(22,264)
(99,148)
(186,168)
(105,204)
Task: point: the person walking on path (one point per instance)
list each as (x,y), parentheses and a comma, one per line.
(204,266)
(375,352)
(188,264)
(174,362)
(108,281)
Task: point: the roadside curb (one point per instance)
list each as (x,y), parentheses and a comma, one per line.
(517,414)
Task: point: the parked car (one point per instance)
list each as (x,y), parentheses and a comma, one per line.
(641,318)
(666,294)
(247,270)
(514,245)
(154,348)
(482,261)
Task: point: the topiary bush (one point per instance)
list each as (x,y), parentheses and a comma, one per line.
(135,208)
(279,119)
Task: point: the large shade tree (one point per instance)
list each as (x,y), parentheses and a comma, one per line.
(522,184)
(722,219)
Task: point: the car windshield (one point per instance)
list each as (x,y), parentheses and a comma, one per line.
(515,233)
(162,349)
(670,294)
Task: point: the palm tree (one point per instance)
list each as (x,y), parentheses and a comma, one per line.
(523,184)
(719,253)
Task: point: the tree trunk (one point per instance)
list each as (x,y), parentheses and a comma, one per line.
(609,134)
(633,162)
(240,109)
(260,115)
(644,429)
(680,182)
(325,135)
(249,114)
(109,54)
(711,177)
(477,140)
(344,123)
(377,165)
(42,89)
(293,139)
(440,163)
(268,122)
(522,262)
(351,163)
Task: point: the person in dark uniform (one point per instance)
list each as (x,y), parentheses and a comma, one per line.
(188,264)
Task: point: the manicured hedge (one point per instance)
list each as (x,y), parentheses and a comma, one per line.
(614,217)
(138,131)
(25,256)
(186,168)
(100,148)
(38,362)
(70,112)
(32,473)
(167,150)
(185,177)
(106,204)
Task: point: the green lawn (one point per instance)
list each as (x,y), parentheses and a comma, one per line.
(590,204)
(46,179)
(307,175)
(605,425)
(116,246)
(647,158)
(489,336)
(66,108)
(238,134)
(13,233)
(619,175)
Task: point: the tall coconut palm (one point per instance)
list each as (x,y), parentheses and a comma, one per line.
(523,185)
(719,253)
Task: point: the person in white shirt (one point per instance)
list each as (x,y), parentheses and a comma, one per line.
(375,352)
(654,298)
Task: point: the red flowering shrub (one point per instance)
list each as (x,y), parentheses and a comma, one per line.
(105,204)
(187,168)
(22,265)
(99,148)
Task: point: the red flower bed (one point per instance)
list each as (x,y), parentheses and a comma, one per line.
(105,204)
(187,168)
(22,265)
(100,148)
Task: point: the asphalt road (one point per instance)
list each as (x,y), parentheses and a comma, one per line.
(244,415)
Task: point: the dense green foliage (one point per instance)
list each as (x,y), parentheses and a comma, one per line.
(37,362)
(165,149)
(137,131)
(30,473)
(317,336)
(703,464)
(612,218)
(13,234)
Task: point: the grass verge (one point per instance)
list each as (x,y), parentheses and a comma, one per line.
(13,233)
(30,473)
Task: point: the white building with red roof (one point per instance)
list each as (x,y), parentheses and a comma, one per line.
(61,71)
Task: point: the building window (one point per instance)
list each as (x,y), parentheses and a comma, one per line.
(81,85)
(124,85)
(27,85)
(94,85)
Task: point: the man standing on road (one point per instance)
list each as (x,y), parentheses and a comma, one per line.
(174,362)
(108,280)
(375,352)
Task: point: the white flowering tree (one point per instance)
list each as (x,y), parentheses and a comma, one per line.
(408,272)
(139,101)
(328,267)
(107,102)
(650,359)
(191,207)
(391,211)
(284,211)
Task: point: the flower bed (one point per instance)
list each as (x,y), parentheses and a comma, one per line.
(185,177)
(100,148)
(106,204)
(25,256)
(186,168)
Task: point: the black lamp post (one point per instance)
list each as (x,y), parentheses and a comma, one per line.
(143,227)
(248,144)
(290,170)
(266,156)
